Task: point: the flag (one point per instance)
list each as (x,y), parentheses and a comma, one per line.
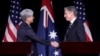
(46,30)
(14,20)
(82,17)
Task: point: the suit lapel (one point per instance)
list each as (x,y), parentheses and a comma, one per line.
(71,26)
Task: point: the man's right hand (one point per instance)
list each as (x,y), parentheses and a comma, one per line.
(55,44)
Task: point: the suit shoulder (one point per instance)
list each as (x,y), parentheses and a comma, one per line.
(78,22)
(24,26)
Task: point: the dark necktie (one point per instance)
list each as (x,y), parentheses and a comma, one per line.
(67,31)
(68,28)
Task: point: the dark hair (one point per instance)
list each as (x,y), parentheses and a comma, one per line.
(71,8)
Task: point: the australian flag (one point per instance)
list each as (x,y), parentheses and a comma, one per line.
(46,30)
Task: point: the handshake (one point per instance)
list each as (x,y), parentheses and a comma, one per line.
(54,44)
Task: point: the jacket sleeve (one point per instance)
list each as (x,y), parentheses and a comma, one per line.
(81,32)
(30,34)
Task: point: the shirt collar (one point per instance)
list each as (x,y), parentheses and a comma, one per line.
(72,21)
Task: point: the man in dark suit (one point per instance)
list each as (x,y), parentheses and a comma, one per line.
(26,34)
(75,31)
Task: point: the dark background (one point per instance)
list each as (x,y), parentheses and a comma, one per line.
(92,12)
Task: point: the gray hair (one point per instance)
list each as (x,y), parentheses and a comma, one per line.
(72,9)
(26,13)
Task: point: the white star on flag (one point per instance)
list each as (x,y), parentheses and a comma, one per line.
(56,53)
(53,34)
(40,55)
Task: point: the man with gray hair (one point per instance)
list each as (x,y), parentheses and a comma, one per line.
(26,34)
(75,31)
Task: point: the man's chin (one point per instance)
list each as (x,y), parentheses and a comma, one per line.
(31,22)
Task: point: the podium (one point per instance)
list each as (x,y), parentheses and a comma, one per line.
(80,48)
(15,48)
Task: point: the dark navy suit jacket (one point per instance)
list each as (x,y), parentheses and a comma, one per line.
(76,33)
(26,34)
